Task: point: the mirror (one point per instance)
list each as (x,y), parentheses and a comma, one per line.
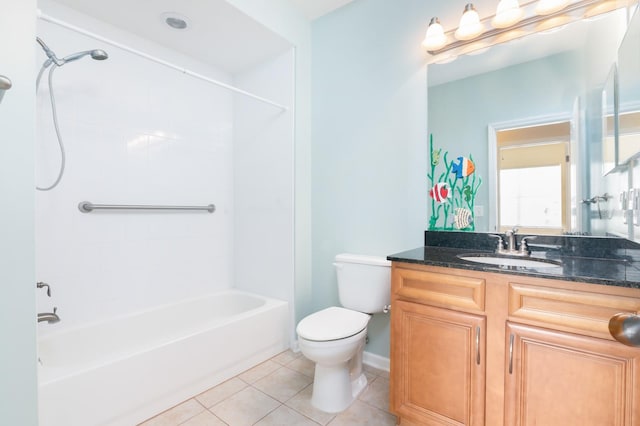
(609,122)
(629,92)
(541,79)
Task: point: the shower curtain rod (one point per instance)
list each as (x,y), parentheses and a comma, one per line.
(71,27)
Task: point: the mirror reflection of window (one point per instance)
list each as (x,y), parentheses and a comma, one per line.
(533,178)
(629,128)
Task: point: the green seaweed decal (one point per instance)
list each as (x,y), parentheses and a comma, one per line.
(453,193)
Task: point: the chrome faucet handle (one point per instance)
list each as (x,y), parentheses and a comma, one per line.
(524,247)
(500,241)
(41,284)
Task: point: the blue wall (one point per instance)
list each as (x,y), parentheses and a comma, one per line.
(369,140)
(18,358)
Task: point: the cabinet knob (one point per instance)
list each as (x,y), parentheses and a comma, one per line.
(625,328)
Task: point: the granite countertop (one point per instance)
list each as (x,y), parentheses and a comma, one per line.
(597,260)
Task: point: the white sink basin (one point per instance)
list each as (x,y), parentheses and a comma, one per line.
(510,261)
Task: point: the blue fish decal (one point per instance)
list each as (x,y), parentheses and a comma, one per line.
(464,167)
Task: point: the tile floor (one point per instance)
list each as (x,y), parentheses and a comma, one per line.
(278,392)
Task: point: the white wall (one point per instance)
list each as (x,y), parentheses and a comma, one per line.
(282,18)
(263,182)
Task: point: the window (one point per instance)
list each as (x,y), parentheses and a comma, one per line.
(533,178)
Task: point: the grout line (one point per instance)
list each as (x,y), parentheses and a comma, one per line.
(373,371)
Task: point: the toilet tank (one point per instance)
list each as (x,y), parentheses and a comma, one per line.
(364,282)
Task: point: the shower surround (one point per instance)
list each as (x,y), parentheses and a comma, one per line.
(136,132)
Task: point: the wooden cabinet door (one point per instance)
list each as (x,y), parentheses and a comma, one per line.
(438,365)
(561,379)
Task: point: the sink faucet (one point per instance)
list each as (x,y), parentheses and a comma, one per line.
(49,317)
(512,248)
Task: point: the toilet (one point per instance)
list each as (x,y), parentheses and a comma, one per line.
(334,337)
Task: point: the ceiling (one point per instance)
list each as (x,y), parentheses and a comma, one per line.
(313,9)
(218,33)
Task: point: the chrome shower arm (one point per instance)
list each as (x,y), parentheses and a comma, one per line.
(52,56)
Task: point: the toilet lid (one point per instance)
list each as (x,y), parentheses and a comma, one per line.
(333,323)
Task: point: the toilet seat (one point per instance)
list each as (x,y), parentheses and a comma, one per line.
(332,323)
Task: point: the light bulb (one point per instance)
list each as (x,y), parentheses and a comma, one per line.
(470,25)
(546,7)
(507,14)
(435,38)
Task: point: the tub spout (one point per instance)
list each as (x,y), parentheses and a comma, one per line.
(50,317)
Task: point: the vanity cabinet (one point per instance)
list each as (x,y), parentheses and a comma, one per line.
(478,348)
(444,381)
(557,378)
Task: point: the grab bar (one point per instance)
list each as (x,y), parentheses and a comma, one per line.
(88,207)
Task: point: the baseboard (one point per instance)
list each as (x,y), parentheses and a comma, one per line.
(376,361)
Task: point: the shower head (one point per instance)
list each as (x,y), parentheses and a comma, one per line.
(97,54)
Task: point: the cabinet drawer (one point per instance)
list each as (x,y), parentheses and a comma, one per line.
(572,310)
(440,289)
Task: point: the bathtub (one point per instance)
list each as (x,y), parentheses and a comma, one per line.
(125,370)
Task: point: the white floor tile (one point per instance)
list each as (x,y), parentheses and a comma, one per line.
(222,391)
(259,371)
(176,415)
(302,404)
(245,407)
(377,393)
(283,383)
(360,413)
(284,415)
(204,419)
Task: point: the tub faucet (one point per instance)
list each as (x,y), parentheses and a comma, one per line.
(41,284)
(50,317)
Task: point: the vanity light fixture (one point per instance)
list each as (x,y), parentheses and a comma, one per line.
(507,14)
(470,26)
(511,21)
(546,7)
(435,38)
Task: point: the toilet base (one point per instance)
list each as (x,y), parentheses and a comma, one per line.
(358,385)
(333,389)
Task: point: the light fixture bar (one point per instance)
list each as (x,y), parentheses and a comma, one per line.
(492,36)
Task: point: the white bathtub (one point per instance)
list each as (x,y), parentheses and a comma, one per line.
(126,370)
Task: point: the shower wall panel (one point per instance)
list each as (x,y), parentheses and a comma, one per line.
(263,182)
(135,132)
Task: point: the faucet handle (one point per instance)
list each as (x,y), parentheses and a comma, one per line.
(41,284)
(524,247)
(500,240)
